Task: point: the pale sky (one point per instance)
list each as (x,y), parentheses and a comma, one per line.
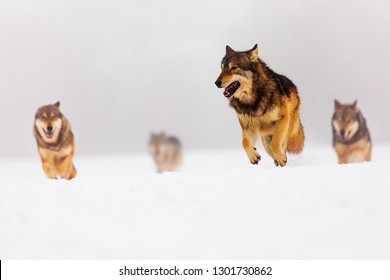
(123,69)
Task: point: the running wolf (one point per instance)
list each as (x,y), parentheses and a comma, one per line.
(351,138)
(166,152)
(55,142)
(267,105)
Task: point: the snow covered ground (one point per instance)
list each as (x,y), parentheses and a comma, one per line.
(218,207)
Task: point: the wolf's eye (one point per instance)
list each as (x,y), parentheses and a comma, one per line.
(234,67)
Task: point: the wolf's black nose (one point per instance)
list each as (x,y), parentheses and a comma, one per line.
(342,132)
(49,128)
(218,83)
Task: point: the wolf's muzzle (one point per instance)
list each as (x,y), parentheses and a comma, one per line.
(218,83)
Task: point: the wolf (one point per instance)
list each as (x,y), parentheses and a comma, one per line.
(55,142)
(166,152)
(267,105)
(351,138)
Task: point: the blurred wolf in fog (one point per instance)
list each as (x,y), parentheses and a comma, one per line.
(166,152)
(351,138)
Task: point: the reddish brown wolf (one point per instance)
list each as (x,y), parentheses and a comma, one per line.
(55,142)
(267,105)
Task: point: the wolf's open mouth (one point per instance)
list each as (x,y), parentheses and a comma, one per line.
(231,89)
(49,134)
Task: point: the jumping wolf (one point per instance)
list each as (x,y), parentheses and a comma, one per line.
(267,105)
(351,138)
(55,142)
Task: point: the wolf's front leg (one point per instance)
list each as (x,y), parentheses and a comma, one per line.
(66,168)
(249,138)
(278,143)
(71,173)
(49,170)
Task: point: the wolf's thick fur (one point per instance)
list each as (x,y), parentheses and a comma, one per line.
(351,138)
(55,142)
(267,105)
(166,152)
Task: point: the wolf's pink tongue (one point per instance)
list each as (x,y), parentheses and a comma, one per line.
(227,89)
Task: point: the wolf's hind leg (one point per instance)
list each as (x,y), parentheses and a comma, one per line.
(266,139)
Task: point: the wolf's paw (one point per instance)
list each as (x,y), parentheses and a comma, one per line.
(253,155)
(69,177)
(70,174)
(52,176)
(280,161)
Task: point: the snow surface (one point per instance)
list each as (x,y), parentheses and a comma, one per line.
(217,207)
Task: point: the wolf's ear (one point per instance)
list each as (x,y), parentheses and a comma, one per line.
(354,105)
(229,50)
(57,104)
(337,104)
(254,53)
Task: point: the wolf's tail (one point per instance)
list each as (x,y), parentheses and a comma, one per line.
(296,141)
